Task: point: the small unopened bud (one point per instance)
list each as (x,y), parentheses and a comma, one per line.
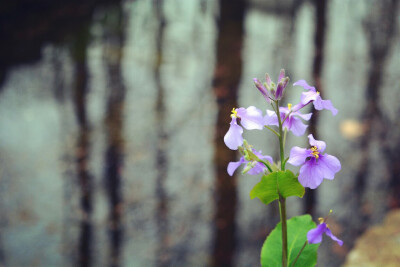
(246,155)
(268,79)
(281,75)
(281,87)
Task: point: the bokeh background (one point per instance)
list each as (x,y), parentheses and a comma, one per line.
(112,117)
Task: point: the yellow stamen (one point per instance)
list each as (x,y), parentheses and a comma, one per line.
(234,113)
(322,220)
(318,92)
(289,106)
(315,152)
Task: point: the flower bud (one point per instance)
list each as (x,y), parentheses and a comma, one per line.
(249,166)
(281,87)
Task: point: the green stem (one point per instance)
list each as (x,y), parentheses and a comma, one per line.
(281,142)
(266,165)
(282,208)
(284,138)
(298,255)
(282,200)
(272,130)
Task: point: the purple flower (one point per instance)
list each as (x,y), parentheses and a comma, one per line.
(315,165)
(250,118)
(256,167)
(292,123)
(268,88)
(315,235)
(314,96)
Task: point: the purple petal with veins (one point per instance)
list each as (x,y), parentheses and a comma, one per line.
(328,165)
(310,175)
(298,155)
(295,125)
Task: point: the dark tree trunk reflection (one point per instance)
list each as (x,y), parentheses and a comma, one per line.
(379,28)
(161,213)
(79,55)
(114,122)
(320,29)
(228,72)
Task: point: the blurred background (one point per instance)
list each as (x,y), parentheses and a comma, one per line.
(113,114)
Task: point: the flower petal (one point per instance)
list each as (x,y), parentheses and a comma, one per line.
(329,166)
(232,166)
(233,138)
(298,155)
(295,125)
(334,238)
(321,145)
(261,156)
(320,104)
(303,116)
(251,118)
(305,85)
(307,97)
(297,107)
(315,235)
(327,104)
(267,158)
(271,118)
(310,175)
(258,168)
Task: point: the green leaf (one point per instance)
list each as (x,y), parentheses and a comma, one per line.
(271,252)
(280,182)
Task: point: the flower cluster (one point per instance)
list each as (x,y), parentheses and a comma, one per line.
(315,166)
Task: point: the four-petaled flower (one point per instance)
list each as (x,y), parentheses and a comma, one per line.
(315,235)
(292,122)
(315,165)
(268,88)
(314,96)
(250,118)
(255,167)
